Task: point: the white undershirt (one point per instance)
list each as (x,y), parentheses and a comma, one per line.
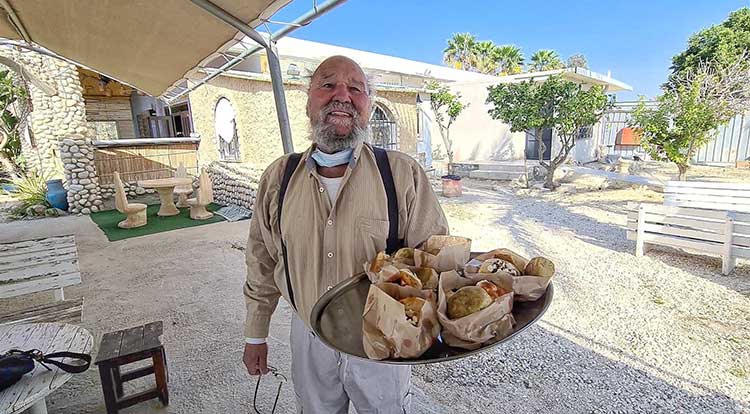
(331,186)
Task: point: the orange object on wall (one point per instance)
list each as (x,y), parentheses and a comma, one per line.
(628,137)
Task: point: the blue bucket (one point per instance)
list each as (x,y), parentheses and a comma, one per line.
(56,195)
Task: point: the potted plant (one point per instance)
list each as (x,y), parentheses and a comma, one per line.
(447,107)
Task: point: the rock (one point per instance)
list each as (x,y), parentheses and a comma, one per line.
(140,190)
(75,188)
(68,142)
(86,211)
(84,181)
(83,174)
(94,209)
(98,202)
(51,212)
(90,186)
(73,148)
(39,209)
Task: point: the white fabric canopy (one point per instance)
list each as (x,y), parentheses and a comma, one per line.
(148,44)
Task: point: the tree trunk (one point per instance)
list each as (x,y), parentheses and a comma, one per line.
(682,171)
(8,165)
(549,180)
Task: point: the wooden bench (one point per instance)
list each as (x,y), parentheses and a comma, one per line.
(721,233)
(40,265)
(707,195)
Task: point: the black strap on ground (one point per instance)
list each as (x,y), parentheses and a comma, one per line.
(291,165)
(392,243)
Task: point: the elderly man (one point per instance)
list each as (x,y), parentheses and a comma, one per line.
(318,217)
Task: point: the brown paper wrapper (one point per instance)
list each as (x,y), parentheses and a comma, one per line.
(390,269)
(386,333)
(526,288)
(452,255)
(488,325)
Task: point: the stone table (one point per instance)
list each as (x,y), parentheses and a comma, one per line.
(165,188)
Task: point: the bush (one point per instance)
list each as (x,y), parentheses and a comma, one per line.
(30,190)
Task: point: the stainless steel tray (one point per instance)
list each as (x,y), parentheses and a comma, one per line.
(337,320)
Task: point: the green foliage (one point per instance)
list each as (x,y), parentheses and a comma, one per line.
(30,189)
(556,103)
(680,124)
(484,53)
(13,109)
(446,107)
(546,59)
(509,60)
(460,51)
(719,45)
(577,61)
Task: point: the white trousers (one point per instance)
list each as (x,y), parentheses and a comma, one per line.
(326,380)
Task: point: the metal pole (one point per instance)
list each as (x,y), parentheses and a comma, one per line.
(273,65)
(296,24)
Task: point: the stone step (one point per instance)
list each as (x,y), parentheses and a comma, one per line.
(496,175)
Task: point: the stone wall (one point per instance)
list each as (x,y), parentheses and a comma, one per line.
(59,143)
(234,183)
(257,124)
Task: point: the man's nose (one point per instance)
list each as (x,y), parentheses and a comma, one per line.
(341,93)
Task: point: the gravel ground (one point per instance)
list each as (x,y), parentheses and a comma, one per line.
(663,333)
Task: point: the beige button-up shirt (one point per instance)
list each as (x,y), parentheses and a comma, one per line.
(329,242)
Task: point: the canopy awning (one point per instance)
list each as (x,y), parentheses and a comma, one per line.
(148,44)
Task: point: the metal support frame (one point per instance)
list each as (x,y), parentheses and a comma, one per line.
(274,65)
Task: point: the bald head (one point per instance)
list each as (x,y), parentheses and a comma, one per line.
(338,103)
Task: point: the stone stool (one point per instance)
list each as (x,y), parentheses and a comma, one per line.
(127,346)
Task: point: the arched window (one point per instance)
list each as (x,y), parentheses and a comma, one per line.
(383,129)
(226,131)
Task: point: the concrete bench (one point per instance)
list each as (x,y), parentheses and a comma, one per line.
(708,195)
(713,232)
(40,265)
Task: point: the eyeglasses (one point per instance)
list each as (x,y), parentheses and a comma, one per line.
(282,380)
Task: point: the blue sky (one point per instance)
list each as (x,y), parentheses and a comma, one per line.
(634,39)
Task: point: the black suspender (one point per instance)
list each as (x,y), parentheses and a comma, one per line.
(393,243)
(291,165)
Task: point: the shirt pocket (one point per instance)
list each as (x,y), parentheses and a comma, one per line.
(371,237)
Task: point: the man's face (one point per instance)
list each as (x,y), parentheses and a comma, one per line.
(338,100)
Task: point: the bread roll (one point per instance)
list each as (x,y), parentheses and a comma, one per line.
(540,266)
(467,300)
(405,255)
(405,277)
(498,265)
(380,260)
(492,289)
(413,309)
(424,274)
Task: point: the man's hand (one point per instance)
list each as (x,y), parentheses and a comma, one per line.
(256,359)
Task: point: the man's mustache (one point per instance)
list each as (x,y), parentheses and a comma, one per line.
(335,106)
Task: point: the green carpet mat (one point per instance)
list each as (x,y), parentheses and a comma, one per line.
(107,221)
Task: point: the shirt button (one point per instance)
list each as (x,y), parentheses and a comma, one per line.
(329,288)
(321,189)
(330,254)
(330,222)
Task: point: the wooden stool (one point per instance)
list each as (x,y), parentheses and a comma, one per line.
(127,346)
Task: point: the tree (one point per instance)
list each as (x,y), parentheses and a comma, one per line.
(556,103)
(546,59)
(509,60)
(720,45)
(460,51)
(446,106)
(577,61)
(693,105)
(484,54)
(14,109)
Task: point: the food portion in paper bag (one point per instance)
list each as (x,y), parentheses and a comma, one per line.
(495,265)
(413,309)
(404,255)
(405,277)
(492,289)
(540,266)
(467,300)
(443,253)
(428,276)
(379,262)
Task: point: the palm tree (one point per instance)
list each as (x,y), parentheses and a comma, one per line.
(484,57)
(460,51)
(546,59)
(577,61)
(509,59)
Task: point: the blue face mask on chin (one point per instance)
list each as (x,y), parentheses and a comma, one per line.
(331,160)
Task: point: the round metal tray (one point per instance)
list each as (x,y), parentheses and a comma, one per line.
(337,320)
